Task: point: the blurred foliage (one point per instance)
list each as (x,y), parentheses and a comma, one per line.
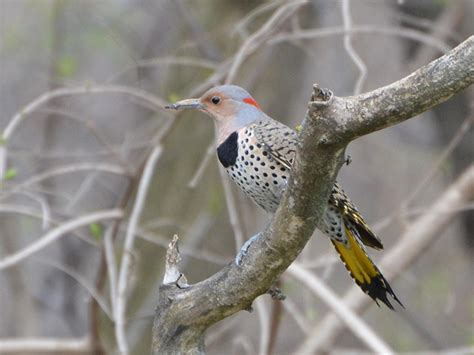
(96,231)
(10,174)
(66,66)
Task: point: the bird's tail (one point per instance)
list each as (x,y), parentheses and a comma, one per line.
(363,270)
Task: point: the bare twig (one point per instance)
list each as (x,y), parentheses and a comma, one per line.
(436,167)
(81,281)
(45,208)
(205,45)
(346,16)
(441,29)
(126,263)
(144,96)
(243,24)
(153,62)
(365,333)
(45,345)
(89,125)
(414,35)
(251,43)
(296,314)
(32,212)
(111,269)
(210,151)
(153,101)
(66,169)
(404,210)
(232,210)
(442,25)
(264,322)
(399,101)
(57,233)
(190,252)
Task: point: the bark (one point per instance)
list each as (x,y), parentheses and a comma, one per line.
(184,313)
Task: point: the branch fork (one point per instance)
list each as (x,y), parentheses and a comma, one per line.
(183,315)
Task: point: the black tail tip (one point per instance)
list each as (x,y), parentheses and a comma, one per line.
(379,289)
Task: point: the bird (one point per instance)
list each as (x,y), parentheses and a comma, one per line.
(257,152)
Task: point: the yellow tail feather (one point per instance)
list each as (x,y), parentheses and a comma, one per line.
(363,270)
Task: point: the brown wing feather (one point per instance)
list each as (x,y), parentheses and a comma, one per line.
(280,142)
(353,217)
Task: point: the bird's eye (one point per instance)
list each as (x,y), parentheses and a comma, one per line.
(215,100)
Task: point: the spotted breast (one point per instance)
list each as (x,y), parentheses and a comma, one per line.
(251,166)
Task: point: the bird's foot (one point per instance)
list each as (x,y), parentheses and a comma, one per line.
(243,251)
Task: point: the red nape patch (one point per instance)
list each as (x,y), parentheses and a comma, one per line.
(251,101)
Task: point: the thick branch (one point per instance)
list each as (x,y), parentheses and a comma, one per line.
(184,314)
(429,86)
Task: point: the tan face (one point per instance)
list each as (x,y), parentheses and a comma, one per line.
(218,105)
(231,108)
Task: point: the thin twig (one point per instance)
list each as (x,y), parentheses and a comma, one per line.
(13,123)
(81,281)
(89,125)
(58,232)
(449,18)
(232,210)
(45,345)
(296,314)
(142,95)
(242,26)
(414,35)
(210,151)
(171,60)
(438,26)
(404,210)
(32,212)
(279,16)
(65,169)
(203,255)
(345,314)
(45,208)
(157,140)
(111,269)
(436,166)
(264,323)
(126,263)
(346,16)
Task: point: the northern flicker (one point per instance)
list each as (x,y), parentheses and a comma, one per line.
(257,152)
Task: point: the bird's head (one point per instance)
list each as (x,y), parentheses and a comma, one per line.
(231,107)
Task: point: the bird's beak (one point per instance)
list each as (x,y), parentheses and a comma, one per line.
(193,104)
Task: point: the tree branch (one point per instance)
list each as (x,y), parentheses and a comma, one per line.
(429,86)
(331,123)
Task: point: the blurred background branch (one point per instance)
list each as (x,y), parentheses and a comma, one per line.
(76,154)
